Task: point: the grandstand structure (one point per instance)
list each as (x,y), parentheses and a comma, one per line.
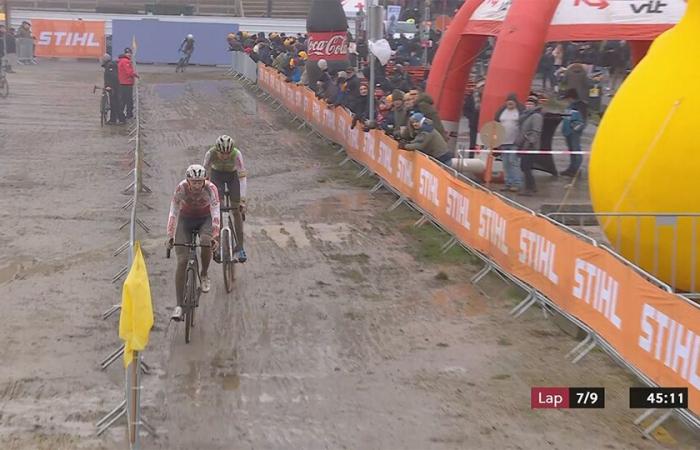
(231,8)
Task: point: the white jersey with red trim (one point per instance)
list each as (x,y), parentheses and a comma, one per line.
(194,204)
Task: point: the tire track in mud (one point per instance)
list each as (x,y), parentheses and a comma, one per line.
(335,335)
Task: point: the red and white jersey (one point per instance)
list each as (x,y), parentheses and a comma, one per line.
(194,204)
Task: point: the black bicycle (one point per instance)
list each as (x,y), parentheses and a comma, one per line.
(193,290)
(183,62)
(105,105)
(228,245)
(4,85)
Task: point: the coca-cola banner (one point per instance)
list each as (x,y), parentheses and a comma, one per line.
(328,45)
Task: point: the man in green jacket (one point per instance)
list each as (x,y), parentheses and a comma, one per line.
(428,140)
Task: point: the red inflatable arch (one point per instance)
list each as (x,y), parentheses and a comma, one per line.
(521,28)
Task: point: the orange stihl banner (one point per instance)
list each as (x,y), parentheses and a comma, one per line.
(655,331)
(69,38)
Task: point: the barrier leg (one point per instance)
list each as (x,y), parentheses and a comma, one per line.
(120,274)
(420,222)
(362,172)
(657,423)
(118,251)
(111,417)
(482,273)
(112,357)
(585,351)
(644,416)
(523,306)
(447,246)
(397,203)
(376,187)
(107,314)
(340,150)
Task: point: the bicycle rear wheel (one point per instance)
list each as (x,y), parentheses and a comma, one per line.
(189,302)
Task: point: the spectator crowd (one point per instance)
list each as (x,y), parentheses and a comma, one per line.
(571,73)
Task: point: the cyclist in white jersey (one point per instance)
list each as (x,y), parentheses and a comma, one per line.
(195,205)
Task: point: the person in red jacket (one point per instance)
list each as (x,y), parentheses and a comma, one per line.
(127,76)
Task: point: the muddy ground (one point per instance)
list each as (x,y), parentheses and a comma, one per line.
(346,329)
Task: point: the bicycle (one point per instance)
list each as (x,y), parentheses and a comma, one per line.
(183,62)
(105,105)
(4,85)
(228,244)
(193,290)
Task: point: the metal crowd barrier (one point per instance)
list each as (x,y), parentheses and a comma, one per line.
(534,296)
(130,407)
(243,68)
(657,223)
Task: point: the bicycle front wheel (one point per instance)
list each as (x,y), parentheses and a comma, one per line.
(227,258)
(189,301)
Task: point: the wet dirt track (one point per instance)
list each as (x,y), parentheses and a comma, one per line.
(336,336)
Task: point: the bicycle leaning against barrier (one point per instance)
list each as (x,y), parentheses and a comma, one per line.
(105,104)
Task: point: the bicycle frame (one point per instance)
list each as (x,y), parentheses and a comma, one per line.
(193,263)
(192,260)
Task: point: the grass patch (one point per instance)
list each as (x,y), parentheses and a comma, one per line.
(348,174)
(427,246)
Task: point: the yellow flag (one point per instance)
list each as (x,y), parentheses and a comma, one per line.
(136,317)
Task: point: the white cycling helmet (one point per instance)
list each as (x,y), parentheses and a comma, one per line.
(196,172)
(224,143)
(190,37)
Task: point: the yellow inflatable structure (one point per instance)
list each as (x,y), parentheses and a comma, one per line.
(646,158)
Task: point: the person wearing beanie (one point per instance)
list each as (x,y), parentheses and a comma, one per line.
(575,118)
(427,139)
(424,103)
(325,85)
(529,138)
(398,118)
(508,115)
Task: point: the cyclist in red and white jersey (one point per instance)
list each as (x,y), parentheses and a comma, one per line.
(195,205)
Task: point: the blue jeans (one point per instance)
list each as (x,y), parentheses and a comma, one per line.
(573,141)
(511,166)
